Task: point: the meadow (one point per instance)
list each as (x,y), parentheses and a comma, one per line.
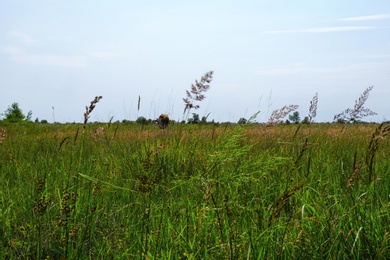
(131,191)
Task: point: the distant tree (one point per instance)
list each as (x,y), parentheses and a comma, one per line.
(14,113)
(141,120)
(242,121)
(203,121)
(341,121)
(195,119)
(44,121)
(294,117)
(306,120)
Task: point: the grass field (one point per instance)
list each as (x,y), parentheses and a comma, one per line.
(195,192)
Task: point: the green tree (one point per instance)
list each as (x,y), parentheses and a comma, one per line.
(142,120)
(306,120)
(15,114)
(195,119)
(294,117)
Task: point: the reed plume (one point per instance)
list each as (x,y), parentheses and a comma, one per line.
(195,94)
(359,111)
(278,114)
(90,109)
(313,108)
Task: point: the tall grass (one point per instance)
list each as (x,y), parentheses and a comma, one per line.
(194,192)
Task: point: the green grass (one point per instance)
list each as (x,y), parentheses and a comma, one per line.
(194,192)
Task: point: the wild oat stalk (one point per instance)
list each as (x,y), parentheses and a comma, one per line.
(139,103)
(278,114)
(313,108)
(90,109)
(359,111)
(253,117)
(195,94)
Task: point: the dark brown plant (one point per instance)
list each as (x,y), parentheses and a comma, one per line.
(197,90)
(90,109)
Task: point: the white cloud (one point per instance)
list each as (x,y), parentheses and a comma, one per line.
(297,69)
(103,55)
(20,56)
(324,29)
(25,38)
(11,50)
(366,18)
(51,60)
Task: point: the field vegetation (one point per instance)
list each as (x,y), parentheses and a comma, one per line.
(133,191)
(198,190)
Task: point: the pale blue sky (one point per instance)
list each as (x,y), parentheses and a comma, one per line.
(264,54)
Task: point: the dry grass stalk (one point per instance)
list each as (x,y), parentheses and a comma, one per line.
(359,111)
(281,203)
(304,148)
(207,191)
(2,135)
(90,109)
(278,114)
(98,132)
(313,108)
(195,94)
(352,177)
(379,134)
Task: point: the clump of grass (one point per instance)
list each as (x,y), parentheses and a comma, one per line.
(196,91)
(278,114)
(178,195)
(358,111)
(90,109)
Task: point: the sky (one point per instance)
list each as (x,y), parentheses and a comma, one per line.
(56,56)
